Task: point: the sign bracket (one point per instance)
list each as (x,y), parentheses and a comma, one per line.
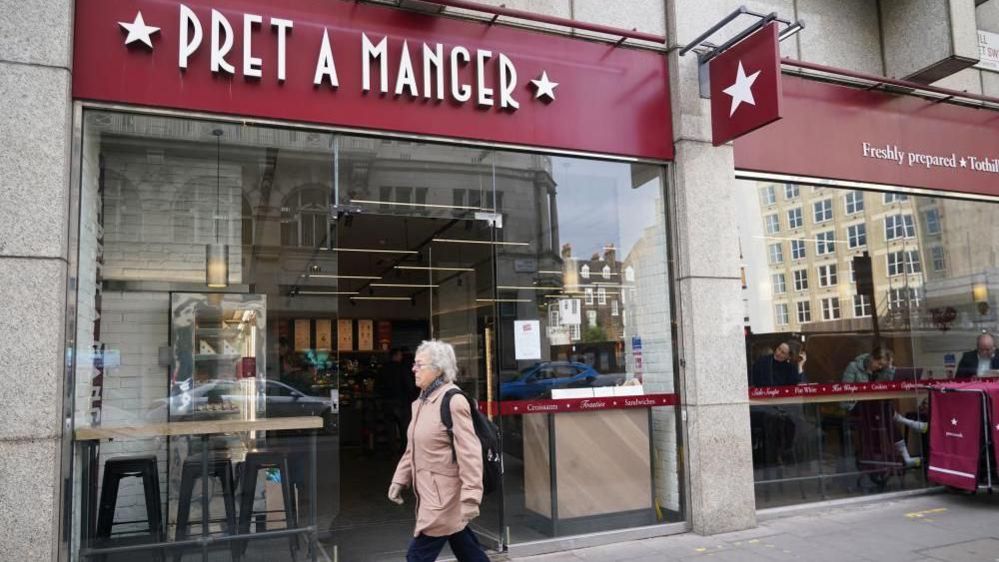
(710,50)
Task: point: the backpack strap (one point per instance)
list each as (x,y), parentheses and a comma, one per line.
(447,421)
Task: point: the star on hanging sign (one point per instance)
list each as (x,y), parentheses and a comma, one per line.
(139,31)
(742,90)
(953,421)
(544,87)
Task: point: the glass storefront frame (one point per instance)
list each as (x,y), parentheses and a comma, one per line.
(534,546)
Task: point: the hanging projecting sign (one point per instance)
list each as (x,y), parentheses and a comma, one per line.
(345,63)
(857,136)
(746,86)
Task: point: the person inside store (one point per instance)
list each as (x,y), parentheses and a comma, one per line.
(774,428)
(446,481)
(878,366)
(784,367)
(978,362)
(397,389)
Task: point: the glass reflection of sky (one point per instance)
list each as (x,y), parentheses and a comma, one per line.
(597,206)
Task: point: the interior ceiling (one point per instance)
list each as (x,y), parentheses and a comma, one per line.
(411,234)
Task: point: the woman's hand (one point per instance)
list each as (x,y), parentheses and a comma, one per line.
(469,511)
(395,493)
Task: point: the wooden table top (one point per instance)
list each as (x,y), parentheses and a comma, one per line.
(196,428)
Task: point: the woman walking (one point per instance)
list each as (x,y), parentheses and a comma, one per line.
(448,486)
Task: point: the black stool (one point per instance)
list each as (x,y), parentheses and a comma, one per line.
(123,467)
(255,462)
(219,466)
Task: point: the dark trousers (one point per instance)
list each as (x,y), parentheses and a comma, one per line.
(464,545)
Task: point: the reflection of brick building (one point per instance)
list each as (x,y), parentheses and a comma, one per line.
(597,284)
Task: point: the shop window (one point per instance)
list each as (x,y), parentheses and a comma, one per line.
(895,198)
(932,221)
(899,226)
(822,211)
(794,219)
(861,306)
(827,275)
(853,202)
(804,311)
(768,195)
(776,254)
(790,190)
(779,285)
(782,316)
(800,278)
(856,236)
(772,223)
(797,249)
(601,296)
(830,308)
(939,261)
(825,242)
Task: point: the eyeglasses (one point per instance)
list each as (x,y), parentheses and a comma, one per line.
(420,366)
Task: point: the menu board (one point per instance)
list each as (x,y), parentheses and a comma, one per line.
(324,335)
(365,335)
(345,334)
(303,335)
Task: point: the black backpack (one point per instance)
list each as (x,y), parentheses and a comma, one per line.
(488,434)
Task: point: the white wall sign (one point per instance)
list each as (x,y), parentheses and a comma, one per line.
(569,311)
(527,339)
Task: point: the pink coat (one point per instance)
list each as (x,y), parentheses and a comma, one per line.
(439,484)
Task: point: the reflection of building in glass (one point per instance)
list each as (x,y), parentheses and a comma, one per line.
(798,257)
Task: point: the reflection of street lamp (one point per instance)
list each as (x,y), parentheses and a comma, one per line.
(980,294)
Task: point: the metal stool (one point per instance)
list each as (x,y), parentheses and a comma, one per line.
(255,462)
(219,466)
(123,467)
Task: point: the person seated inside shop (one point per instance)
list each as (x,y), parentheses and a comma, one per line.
(878,366)
(784,367)
(978,362)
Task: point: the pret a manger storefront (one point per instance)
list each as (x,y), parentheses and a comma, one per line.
(903,182)
(276,204)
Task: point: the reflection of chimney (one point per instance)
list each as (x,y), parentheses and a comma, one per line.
(610,253)
(566,250)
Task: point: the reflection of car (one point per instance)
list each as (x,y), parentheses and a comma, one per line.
(280,400)
(540,379)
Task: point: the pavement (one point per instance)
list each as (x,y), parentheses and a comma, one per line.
(936,527)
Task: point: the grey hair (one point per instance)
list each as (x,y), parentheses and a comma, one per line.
(442,358)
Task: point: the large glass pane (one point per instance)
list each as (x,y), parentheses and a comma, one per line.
(250,300)
(584,331)
(842,342)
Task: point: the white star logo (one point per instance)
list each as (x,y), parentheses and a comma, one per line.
(742,90)
(544,87)
(139,31)
(953,421)
(964,163)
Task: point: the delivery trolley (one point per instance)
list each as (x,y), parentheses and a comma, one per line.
(963,435)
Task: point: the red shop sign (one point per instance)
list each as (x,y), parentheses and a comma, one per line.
(351,64)
(745,86)
(519,407)
(846,389)
(854,135)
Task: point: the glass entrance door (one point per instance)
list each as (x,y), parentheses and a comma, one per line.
(399,279)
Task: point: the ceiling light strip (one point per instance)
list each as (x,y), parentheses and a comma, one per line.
(423,205)
(427,268)
(457,241)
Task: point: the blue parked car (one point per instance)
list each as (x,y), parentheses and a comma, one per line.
(540,379)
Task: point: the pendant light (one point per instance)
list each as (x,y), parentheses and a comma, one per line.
(217,253)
